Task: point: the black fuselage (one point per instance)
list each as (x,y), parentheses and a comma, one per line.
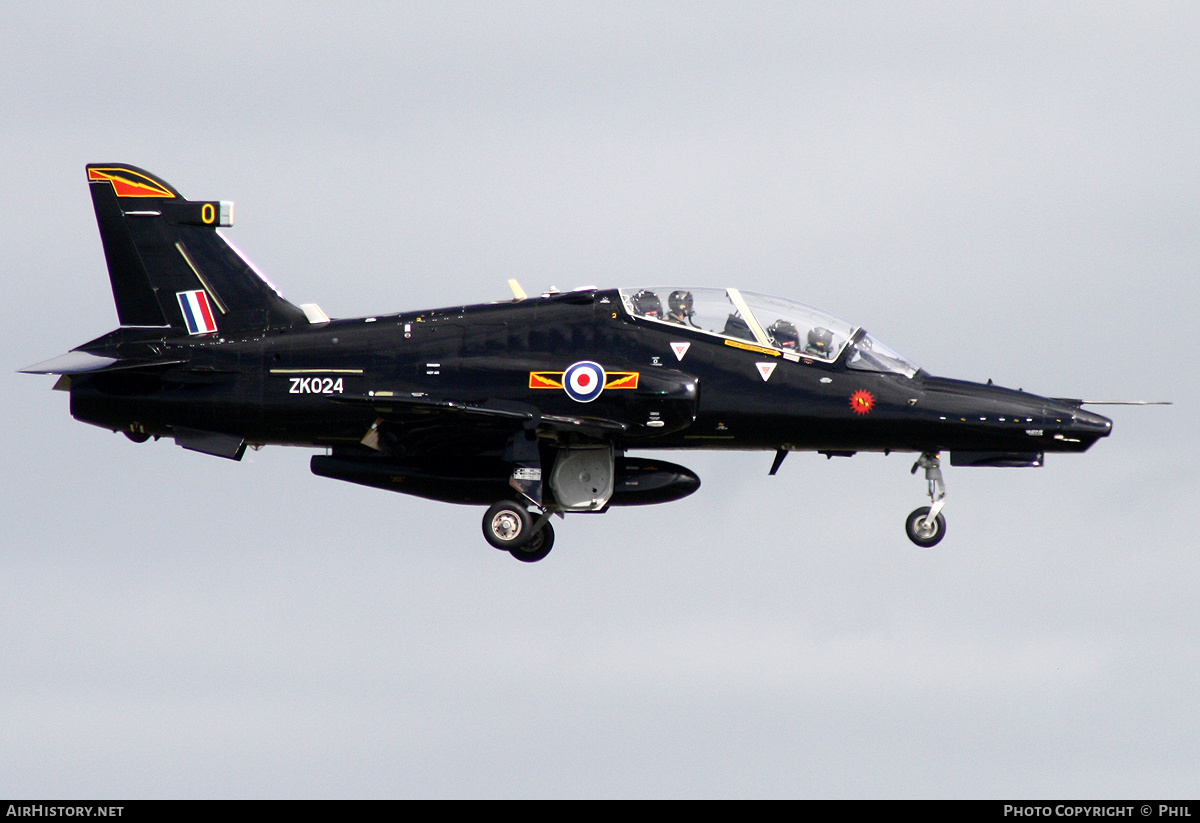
(323,385)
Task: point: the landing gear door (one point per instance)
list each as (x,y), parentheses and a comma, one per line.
(582,480)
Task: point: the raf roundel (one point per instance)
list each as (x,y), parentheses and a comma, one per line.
(584,381)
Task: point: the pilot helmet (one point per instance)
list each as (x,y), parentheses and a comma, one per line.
(646,303)
(784,335)
(820,340)
(680,303)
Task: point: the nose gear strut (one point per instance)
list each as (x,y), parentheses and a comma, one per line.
(926,526)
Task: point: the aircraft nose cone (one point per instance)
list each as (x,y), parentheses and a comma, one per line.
(1084,429)
(1087,422)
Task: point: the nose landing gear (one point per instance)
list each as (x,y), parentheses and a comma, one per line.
(926,526)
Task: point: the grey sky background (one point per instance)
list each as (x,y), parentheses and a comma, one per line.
(1003,191)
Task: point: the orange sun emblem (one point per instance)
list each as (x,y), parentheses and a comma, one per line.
(861,402)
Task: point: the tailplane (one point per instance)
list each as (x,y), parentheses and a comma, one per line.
(170,266)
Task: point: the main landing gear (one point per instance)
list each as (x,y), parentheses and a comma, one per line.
(510,527)
(926,526)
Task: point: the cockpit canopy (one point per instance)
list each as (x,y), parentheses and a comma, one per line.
(796,330)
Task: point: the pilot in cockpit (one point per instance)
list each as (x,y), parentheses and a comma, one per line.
(784,335)
(647,304)
(680,308)
(820,342)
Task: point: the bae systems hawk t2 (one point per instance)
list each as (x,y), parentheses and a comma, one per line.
(528,407)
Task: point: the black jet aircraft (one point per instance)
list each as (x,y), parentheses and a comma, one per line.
(529,406)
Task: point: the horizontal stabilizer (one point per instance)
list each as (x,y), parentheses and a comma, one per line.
(73,362)
(81,362)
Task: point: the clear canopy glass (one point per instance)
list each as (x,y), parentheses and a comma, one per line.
(868,354)
(796,330)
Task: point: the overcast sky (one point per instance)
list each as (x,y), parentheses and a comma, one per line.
(1005,190)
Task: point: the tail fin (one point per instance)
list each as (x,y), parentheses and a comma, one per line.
(168,264)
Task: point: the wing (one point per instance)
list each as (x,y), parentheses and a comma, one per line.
(508,415)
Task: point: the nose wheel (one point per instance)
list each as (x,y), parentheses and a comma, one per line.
(926,526)
(510,527)
(923,530)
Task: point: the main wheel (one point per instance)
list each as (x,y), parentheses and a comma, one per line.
(507,525)
(925,535)
(537,546)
